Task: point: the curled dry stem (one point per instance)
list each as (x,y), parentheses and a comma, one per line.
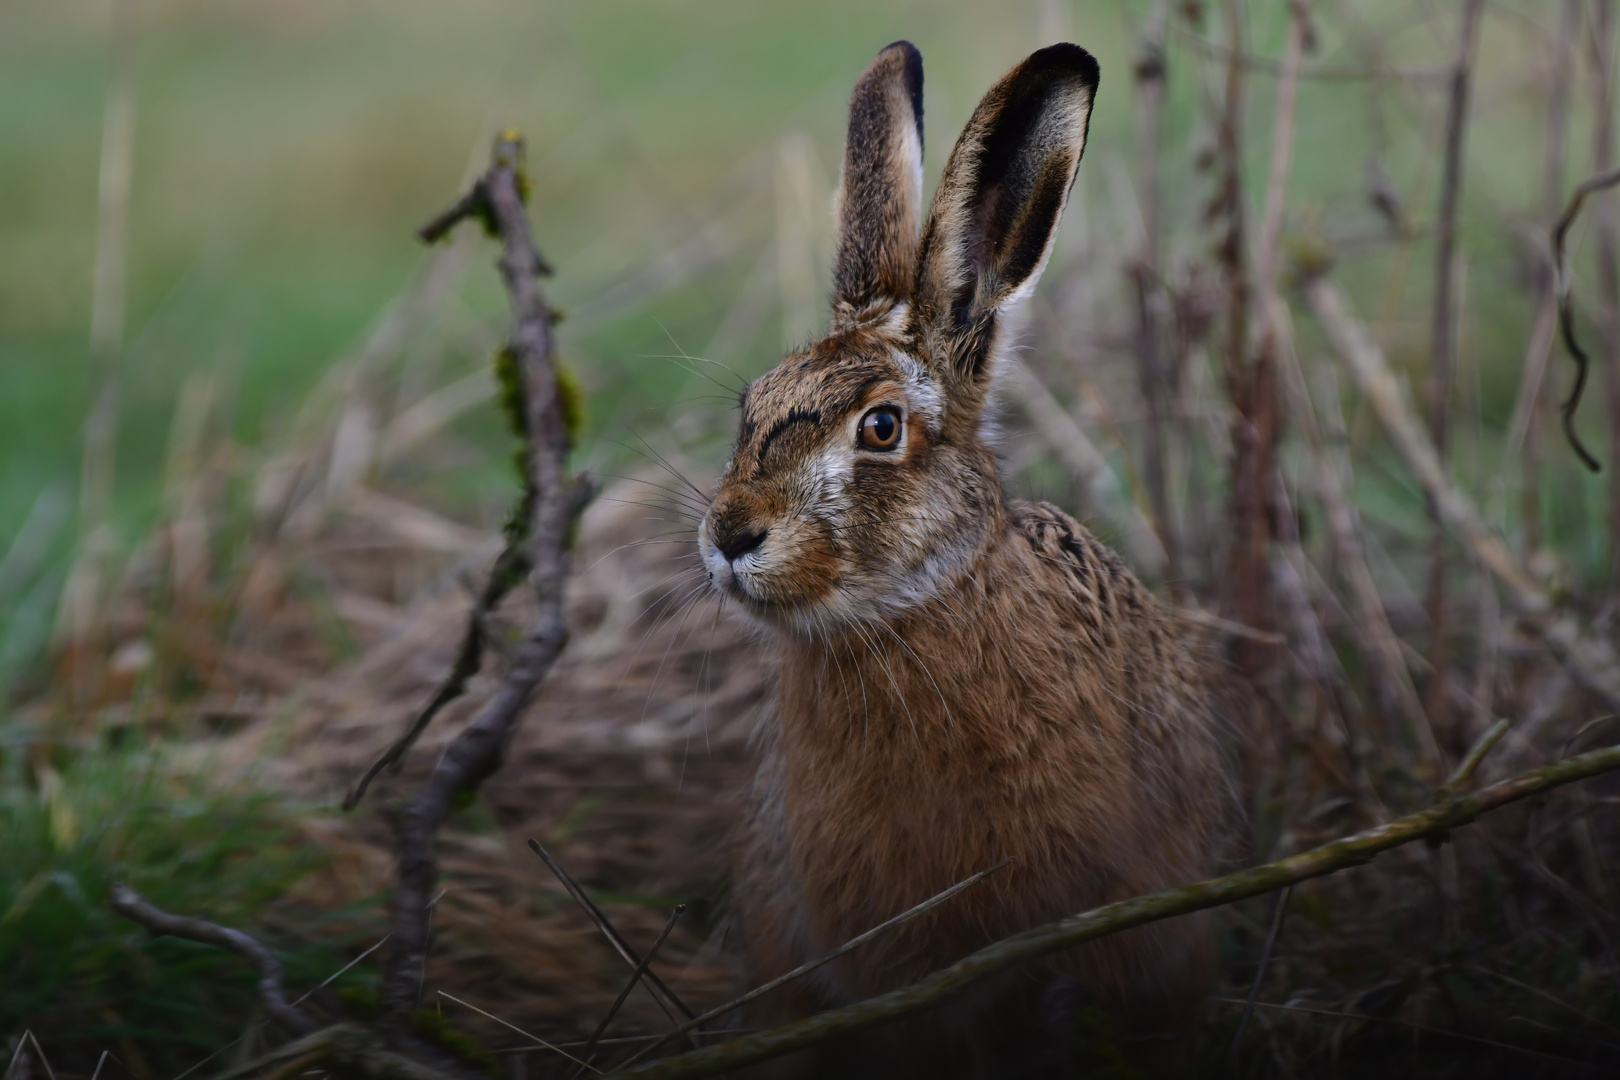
(1566,308)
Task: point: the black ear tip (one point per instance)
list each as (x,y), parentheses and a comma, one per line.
(913,57)
(1069,60)
(911,60)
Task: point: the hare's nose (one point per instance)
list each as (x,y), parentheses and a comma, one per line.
(737,542)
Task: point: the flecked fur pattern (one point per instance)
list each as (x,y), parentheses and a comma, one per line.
(964,679)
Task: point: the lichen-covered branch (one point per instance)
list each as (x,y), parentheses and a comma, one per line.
(535,396)
(272,982)
(1449,812)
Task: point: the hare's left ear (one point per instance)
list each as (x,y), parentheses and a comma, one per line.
(880,187)
(997,210)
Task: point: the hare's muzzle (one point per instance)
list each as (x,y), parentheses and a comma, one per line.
(732,531)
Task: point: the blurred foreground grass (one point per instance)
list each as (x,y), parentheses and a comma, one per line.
(84,979)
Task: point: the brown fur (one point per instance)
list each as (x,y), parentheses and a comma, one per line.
(964,680)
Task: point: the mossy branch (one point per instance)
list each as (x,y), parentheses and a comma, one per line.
(1450,811)
(543,413)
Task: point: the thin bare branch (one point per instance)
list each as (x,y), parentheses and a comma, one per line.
(616,939)
(1443,355)
(1476,754)
(1097,478)
(1157,377)
(635,977)
(272,981)
(1277,914)
(1328,443)
(1523,443)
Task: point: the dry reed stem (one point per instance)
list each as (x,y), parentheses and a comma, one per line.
(1376,639)
(1443,356)
(1589,662)
(1449,812)
(1156,379)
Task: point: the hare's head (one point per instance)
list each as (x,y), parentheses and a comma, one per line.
(862,479)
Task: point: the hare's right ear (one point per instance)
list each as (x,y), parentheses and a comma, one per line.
(879,205)
(997,210)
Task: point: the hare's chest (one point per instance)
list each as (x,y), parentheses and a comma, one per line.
(877,825)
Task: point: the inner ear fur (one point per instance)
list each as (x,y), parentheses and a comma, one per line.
(993,220)
(880,186)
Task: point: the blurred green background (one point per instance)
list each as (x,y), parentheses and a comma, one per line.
(284,152)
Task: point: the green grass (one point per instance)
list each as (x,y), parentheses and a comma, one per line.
(83,978)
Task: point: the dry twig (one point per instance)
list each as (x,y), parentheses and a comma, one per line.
(616,939)
(272,982)
(635,977)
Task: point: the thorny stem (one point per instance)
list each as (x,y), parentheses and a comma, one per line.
(1436,820)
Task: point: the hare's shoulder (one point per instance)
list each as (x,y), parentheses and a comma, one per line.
(1070,549)
(1084,577)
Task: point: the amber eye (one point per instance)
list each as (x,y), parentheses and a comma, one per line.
(880,429)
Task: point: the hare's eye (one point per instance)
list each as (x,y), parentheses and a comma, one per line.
(880,429)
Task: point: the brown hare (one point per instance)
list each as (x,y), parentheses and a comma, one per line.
(964,679)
